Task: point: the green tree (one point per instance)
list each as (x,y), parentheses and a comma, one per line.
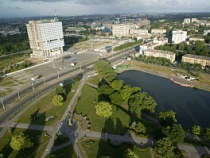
(140,128)
(165,148)
(130,154)
(126,92)
(207,134)
(115,98)
(141,101)
(167,118)
(177,134)
(105,70)
(103,109)
(57,100)
(105,89)
(20,141)
(60,91)
(196,130)
(117,85)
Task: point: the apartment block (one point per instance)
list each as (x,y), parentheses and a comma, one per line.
(158,31)
(196,59)
(138,31)
(187,21)
(160,53)
(121,30)
(179,36)
(45,38)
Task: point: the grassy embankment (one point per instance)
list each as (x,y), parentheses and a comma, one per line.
(118,123)
(44,108)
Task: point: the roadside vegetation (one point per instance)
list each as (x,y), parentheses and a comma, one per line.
(126,45)
(9,144)
(44,112)
(14,43)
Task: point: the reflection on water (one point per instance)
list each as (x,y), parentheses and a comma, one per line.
(191,105)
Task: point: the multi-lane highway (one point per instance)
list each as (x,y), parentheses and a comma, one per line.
(50,83)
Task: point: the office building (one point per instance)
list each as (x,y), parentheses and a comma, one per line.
(187,21)
(179,36)
(45,38)
(196,59)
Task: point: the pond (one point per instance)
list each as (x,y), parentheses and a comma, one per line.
(192,106)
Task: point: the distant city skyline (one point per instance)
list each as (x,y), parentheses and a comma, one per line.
(27,8)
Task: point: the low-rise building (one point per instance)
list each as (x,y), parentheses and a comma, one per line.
(179,36)
(195,20)
(158,31)
(160,53)
(187,21)
(138,31)
(196,59)
(196,39)
(143,22)
(206,32)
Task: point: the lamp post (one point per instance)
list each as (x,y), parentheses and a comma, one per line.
(18,94)
(2,103)
(32,85)
(58,74)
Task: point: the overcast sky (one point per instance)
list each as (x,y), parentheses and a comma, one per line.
(25,8)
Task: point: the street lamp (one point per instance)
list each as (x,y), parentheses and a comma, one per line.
(32,85)
(58,75)
(18,94)
(2,103)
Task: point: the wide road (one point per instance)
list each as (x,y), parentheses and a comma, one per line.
(11,111)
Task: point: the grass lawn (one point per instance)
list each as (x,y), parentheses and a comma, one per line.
(94,80)
(118,123)
(99,148)
(38,137)
(66,152)
(44,108)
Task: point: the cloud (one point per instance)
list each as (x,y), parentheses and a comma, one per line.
(98,2)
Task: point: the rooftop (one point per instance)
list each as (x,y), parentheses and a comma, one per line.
(160,51)
(197,56)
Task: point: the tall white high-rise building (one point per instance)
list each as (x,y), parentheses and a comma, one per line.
(45,38)
(179,36)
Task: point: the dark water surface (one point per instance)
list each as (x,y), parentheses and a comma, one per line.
(192,106)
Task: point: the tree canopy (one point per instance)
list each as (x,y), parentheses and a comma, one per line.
(167,118)
(130,154)
(196,130)
(176,134)
(103,109)
(21,141)
(115,98)
(165,148)
(140,101)
(105,70)
(126,92)
(57,100)
(117,84)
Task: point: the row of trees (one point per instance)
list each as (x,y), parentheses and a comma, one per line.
(117,92)
(171,133)
(14,43)
(129,44)
(194,67)
(16,67)
(199,48)
(151,59)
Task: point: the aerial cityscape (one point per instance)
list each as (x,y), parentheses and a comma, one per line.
(93,79)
